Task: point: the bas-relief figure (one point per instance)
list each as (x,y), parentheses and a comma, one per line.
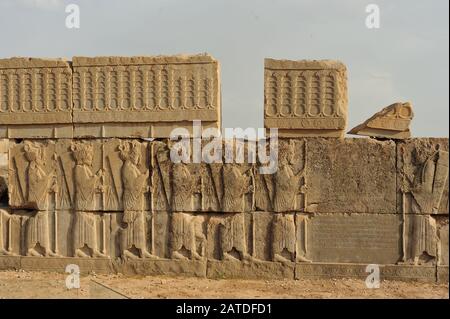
(237,182)
(287,181)
(232,233)
(135,185)
(41,183)
(423,177)
(86,185)
(285,240)
(187,235)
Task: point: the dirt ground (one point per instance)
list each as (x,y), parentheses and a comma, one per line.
(20,284)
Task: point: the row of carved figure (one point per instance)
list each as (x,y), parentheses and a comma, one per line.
(246,237)
(124,175)
(89,234)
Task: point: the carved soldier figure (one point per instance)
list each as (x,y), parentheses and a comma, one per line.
(287,183)
(187,233)
(135,187)
(184,185)
(86,185)
(284,239)
(40,184)
(426,189)
(233,237)
(235,185)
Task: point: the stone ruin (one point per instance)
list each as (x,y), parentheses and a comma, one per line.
(86,176)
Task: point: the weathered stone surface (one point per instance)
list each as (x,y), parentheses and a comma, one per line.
(443,243)
(148,96)
(305,98)
(442,274)
(35,98)
(391,122)
(249,270)
(165,267)
(420,239)
(350,176)
(354,238)
(57,264)
(348,270)
(422,176)
(9,262)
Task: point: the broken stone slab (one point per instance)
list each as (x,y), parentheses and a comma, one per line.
(144,96)
(391,122)
(35,98)
(305,98)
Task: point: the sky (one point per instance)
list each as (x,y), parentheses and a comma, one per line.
(405,59)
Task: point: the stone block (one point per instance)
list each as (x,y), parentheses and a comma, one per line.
(354,238)
(144,96)
(35,98)
(305,98)
(350,176)
(249,270)
(391,122)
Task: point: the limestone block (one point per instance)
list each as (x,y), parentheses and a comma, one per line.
(249,270)
(163,267)
(391,122)
(59,264)
(354,238)
(387,272)
(35,98)
(350,176)
(422,176)
(144,96)
(305,98)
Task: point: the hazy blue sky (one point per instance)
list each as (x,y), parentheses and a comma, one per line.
(407,59)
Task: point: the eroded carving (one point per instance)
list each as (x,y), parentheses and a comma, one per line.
(86,185)
(188,239)
(135,185)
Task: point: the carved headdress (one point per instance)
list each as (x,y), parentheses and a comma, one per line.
(81,152)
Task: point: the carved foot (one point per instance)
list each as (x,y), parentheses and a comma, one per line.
(197,256)
(98,254)
(146,254)
(228,257)
(281,259)
(33,253)
(303,259)
(126,254)
(177,255)
(80,253)
(50,253)
(4,252)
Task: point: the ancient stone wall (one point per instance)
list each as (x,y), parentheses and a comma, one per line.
(111,202)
